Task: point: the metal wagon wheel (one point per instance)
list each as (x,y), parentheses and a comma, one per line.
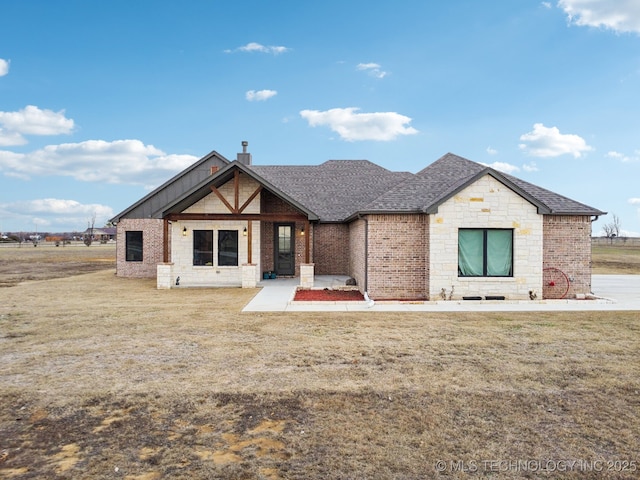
(555,283)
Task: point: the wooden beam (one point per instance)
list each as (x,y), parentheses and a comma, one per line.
(222,199)
(236,191)
(253,195)
(259,217)
(307,234)
(249,241)
(165,241)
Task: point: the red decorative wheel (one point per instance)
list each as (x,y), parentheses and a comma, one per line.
(555,283)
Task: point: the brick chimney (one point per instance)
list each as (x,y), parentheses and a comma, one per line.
(244,157)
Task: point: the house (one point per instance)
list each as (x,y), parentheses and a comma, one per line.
(455,225)
(104,234)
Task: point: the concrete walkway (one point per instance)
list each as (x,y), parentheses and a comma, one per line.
(616,292)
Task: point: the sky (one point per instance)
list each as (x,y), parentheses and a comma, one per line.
(100,102)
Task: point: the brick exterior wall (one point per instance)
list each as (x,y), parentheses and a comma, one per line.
(152,247)
(331,249)
(398,253)
(269,203)
(567,246)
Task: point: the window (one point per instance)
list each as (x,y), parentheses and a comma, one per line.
(228,248)
(485,252)
(133,246)
(203,247)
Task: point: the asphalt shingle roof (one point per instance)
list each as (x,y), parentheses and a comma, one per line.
(333,190)
(339,189)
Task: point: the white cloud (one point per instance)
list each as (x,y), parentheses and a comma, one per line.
(352,126)
(549,142)
(53,212)
(492,151)
(117,162)
(8,138)
(4,67)
(502,167)
(260,95)
(373,69)
(634,201)
(546,4)
(617,15)
(622,157)
(31,120)
(614,154)
(257,47)
(530,167)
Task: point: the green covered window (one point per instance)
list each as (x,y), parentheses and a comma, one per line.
(485,252)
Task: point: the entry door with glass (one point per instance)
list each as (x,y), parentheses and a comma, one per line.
(284,249)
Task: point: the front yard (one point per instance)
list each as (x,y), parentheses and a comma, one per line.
(110,378)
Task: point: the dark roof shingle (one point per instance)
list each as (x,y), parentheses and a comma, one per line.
(339,190)
(335,189)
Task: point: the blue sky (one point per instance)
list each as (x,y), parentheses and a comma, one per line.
(101,101)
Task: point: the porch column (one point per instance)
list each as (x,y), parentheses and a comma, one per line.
(249,242)
(163,276)
(307,272)
(165,241)
(249,272)
(307,241)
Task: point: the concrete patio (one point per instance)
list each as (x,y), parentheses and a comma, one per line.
(614,292)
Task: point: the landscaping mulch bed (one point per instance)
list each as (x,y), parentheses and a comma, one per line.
(328,295)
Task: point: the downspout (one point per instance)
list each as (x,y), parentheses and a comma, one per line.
(366,254)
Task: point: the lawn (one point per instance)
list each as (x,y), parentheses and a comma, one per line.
(619,258)
(111,378)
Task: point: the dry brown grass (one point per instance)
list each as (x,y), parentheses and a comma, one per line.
(19,264)
(618,258)
(105,377)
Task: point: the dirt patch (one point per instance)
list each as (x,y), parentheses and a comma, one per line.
(328,295)
(28,263)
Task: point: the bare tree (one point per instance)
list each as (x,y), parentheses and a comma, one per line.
(88,238)
(612,229)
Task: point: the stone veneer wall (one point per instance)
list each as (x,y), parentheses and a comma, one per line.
(487,203)
(152,249)
(567,246)
(397,257)
(357,253)
(182,246)
(331,249)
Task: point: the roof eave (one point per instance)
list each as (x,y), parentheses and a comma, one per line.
(362,213)
(542,208)
(586,213)
(221,177)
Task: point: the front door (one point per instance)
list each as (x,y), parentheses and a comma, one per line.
(285,263)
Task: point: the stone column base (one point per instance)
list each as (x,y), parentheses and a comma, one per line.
(249,275)
(163,276)
(307,273)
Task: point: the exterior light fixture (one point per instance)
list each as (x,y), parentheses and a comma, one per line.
(302,231)
(244,232)
(184,232)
